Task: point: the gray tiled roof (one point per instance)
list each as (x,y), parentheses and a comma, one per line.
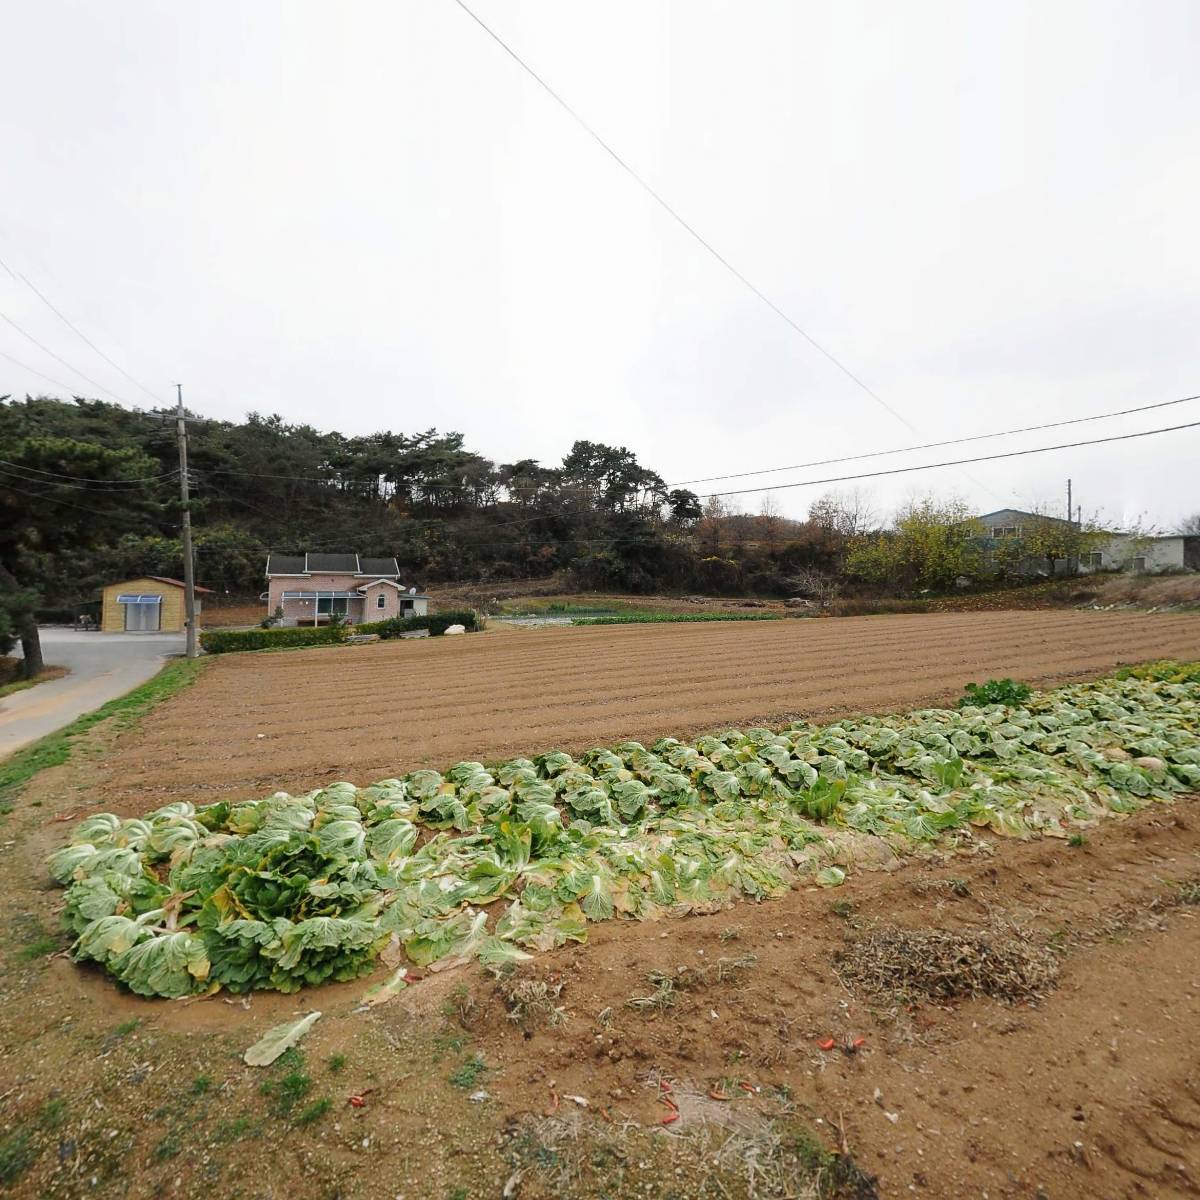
(379,568)
(338,563)
(285,564)
(333,564)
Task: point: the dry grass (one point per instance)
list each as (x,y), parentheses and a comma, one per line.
(909,965)
(683,979)
(531,1002)
(565,1157)
(1149,592)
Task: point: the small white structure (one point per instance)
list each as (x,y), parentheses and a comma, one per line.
(1143,555)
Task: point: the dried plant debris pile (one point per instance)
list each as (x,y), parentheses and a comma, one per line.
(909,965)
(491,863)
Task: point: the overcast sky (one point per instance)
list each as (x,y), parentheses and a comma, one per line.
(366,215)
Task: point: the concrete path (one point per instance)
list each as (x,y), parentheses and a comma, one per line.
(103,666)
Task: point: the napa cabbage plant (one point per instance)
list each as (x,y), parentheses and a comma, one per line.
(491,863)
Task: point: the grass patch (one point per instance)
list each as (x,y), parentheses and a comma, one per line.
(56,748)
(232,1131)
(460,1006)
(337,1062)
(286,1092)
(675,618)
(17,1155)
(20,685)
(53,1113)
(469,1073)
(911,964)
(314,1111)
(201,1084)
(38,948)
(169,1147)
(126,1027)
(449,1041)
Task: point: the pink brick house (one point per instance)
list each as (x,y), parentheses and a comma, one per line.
(310,587)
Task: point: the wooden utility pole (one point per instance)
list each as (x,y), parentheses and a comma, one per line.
(189,571)
(1070,506)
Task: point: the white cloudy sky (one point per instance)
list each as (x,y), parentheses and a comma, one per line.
(366,215)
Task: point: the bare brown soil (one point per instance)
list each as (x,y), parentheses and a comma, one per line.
(1092,1091)
(256,723)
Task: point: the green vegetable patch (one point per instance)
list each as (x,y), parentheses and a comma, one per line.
(493,863)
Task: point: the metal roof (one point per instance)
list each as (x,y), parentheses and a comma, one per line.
(334,563)
(285,564)
(378,568)
(176,582)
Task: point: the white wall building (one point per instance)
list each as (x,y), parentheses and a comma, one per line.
(1143,555)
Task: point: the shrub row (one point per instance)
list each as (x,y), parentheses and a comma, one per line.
(642,618)
(222,641)
(437,624)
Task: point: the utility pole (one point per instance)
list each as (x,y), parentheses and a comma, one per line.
(189,573)
(1070,506)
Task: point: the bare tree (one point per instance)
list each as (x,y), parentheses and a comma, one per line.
(1190,526)
(709,527)
(770,522)
(848,514)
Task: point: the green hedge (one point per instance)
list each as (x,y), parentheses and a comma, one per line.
(59,616)
(437,624)
(222,641)
(655,618)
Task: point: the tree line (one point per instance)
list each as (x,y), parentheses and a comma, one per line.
(89,494)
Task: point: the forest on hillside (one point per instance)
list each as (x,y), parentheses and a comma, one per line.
(448,513)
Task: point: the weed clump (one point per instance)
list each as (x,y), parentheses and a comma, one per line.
(667,983)
(915,964)
(995,691)
(531,1002)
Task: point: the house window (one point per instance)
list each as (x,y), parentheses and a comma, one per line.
(1095,560)
(381,601)
(332,604)
(1003,531)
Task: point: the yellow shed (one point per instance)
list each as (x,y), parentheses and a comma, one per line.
(150,604)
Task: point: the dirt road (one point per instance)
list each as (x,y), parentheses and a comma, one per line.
(258,723)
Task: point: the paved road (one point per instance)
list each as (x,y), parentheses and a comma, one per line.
(103,666)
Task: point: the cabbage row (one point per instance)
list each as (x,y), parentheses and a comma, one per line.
(494,862)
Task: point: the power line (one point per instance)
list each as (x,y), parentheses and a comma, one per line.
(1116,437)
(115,490)
(57,382)
(139,524)
(979,437)
(690,229)
(82,478)
(76,330)
(59,358)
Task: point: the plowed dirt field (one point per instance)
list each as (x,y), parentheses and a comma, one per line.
(764,1057)
(257,723)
